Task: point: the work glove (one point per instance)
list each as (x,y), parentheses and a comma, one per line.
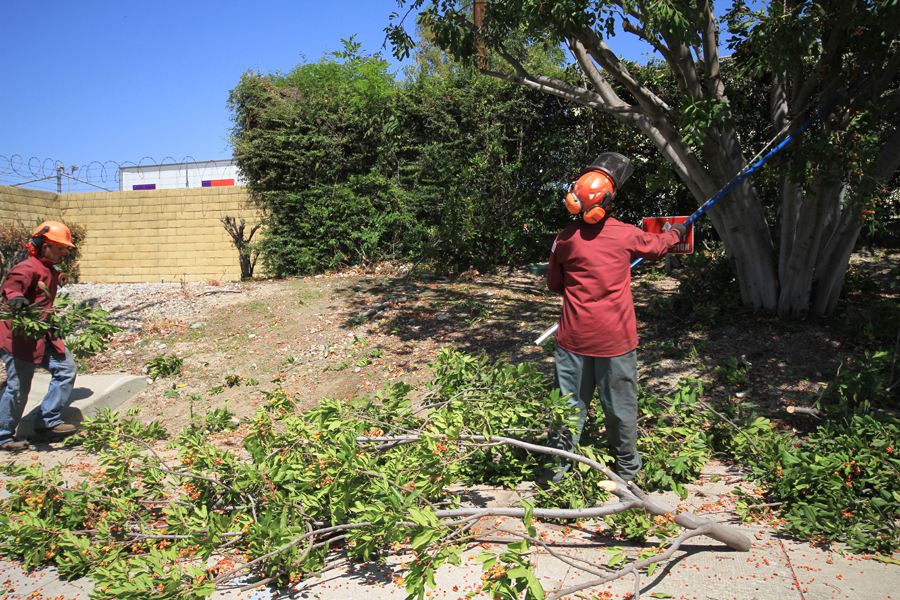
(18,303)
(681,229)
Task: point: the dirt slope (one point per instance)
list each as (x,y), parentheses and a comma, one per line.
(332,336)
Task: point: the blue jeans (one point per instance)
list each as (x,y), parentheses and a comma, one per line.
(19,374)
(615,379)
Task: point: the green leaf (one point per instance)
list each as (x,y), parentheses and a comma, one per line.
(616,559)
(516,572)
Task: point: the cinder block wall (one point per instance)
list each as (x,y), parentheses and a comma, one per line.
(28,206)
(138,236)
(158,235)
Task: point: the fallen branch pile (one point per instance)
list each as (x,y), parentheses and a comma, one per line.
(350,480)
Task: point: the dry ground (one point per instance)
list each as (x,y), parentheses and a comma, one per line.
(337,335)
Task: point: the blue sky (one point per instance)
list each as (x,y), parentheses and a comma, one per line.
(141,82)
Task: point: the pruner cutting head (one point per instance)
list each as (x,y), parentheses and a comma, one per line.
(595,190)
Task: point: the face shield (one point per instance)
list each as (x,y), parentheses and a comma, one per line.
(613,164)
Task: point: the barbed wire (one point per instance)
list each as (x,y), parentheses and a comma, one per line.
(39,173)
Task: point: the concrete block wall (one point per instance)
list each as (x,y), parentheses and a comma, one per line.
(28,206)
(153,235)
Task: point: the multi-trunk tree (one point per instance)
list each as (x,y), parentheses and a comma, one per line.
(830,183)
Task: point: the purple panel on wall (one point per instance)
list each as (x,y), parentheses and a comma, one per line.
(207,183)
(146,186)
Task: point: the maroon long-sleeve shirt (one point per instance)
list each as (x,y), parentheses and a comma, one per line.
(590,265)
(23,281)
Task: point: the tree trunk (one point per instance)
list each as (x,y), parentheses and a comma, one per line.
(751,248)
(833,266)
(790,198)
(843,231)
(800,264)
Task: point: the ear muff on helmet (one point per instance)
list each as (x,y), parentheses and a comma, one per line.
(591,195)
(596,213)
(37,238)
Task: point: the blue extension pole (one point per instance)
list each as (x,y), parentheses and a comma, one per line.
(736,181)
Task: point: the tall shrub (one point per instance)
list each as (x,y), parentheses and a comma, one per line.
(312,143)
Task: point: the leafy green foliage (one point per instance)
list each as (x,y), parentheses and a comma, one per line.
(509,575)
(499,399)
(733,372)
(697,116)
(777,38)
(708,116)
(362,475)
(12,237)
(313,145)
(107,429)
(637,525)
(451,167)
(580,488)
(863,386)
(70,263)
(873,325)
(841,484)
(858,280)
(837,484)
(143,529)
(85,327)
(164,365)
(219,419)
(676,448)
(863,381)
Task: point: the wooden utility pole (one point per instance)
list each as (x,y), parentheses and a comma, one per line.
(482,49)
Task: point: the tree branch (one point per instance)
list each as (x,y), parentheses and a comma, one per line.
(632,568)
(622,490)
(286,547)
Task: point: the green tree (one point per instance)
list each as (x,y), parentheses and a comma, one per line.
(313,145)
(803,52)
(352,166)
(487,161)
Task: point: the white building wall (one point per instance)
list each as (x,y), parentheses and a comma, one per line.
(211,173)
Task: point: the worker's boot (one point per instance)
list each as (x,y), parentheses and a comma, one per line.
(61,430)
(14,446)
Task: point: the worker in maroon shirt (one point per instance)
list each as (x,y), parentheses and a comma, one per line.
(34,281)
(590,265)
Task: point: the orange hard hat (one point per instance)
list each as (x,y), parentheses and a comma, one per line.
(596,188)
(53,232)
(591,195)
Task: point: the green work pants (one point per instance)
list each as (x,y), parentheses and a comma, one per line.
(615,378)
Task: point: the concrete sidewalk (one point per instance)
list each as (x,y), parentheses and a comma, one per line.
(91,395)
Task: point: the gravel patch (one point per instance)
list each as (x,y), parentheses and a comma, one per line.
(134,305)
